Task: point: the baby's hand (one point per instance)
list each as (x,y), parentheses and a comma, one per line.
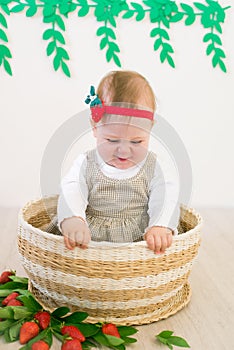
(75,232)
(158,238)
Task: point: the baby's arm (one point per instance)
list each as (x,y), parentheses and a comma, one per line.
(72,204)
(163,209)
(158,238)
(75,232)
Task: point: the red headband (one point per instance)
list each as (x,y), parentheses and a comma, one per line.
(98,112)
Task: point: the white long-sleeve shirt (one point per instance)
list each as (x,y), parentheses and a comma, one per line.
(163,209)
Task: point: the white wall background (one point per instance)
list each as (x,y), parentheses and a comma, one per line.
(196,99)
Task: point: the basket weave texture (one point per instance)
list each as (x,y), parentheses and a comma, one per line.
(125,284)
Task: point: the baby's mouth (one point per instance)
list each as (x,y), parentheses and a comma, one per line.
(122,159)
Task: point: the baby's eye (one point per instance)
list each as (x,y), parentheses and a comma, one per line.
(112,140)
(136,142)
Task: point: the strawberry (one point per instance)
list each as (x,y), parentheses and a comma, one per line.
(73,332)
(110,329)
(10,297)
(28,331)
(43,318)
(40,345)
(14,302)
(4,278)
(73,344)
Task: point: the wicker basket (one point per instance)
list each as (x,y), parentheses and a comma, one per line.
(120,283)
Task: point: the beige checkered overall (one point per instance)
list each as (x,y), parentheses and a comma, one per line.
(117,209)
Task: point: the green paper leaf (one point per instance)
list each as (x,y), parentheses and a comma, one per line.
(4,51)
(66,69)
(220,52)
(116,60)
(161,32)
(50,48)
(107,31)
(103,43)
(59,37)
(83,11)
(218,27)
(178,341)
(187,8)
(213,37)
(109,55)
(222,66)
(140,11)
(61,311)
(157,44)
(167,47)
(49,33)
(62,53)
(17,8)
(200,6)
(56,62)
(5,8)
(64,8)
(3,20)
(165,21)
(48,10)
(209,49)
(177,17)
(31,11)
(154,15)
(49,19)
(112,20)
(114,47)
(60,22)
(128,14)
(170,61)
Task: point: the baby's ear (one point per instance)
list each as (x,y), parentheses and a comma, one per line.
(94,130)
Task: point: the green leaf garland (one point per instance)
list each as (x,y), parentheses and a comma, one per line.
(161,13)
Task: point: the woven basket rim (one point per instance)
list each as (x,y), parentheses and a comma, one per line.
(95,244)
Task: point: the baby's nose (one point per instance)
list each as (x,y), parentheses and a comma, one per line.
(123,149)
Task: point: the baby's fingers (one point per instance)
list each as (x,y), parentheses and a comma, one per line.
(70,244)
(150,241)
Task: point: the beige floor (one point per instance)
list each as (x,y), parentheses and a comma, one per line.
(207,323)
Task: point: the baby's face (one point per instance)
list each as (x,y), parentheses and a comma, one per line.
(121,145)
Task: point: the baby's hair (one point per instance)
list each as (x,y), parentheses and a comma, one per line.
(126,86)
(127,89)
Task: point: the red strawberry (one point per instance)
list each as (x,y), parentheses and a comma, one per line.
(4,278)
(110,329)
(40,345)
(43,317)
(14,302)
(73,332)
(73,344)
(28,331)
(10,297)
